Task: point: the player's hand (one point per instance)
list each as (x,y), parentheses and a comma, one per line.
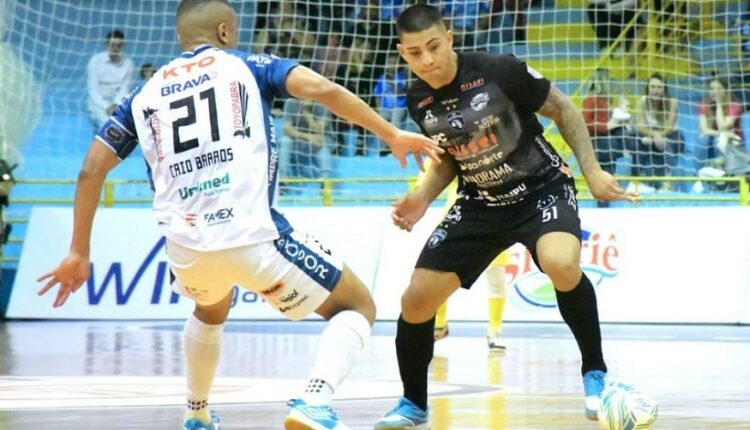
(603,186)
(72,272)
(405,142)
(408,210)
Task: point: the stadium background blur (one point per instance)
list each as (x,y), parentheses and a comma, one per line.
(45,46)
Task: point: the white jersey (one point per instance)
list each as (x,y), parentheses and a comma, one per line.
(204,126)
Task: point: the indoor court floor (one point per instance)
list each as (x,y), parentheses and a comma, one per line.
(128,375)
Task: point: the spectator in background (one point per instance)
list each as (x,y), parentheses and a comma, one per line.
(609,18)
(719,120)
(659,140)
(286,33)
(110,78)
(470,22)
(508,23)
(390,99)
(720,128)
(305,147)
(330,57)
(608,128)
(147,71)
(355,75)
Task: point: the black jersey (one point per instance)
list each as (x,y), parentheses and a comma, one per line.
(486,120)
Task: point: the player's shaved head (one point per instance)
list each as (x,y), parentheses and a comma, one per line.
(206,21)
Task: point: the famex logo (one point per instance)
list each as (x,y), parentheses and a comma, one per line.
(599,259)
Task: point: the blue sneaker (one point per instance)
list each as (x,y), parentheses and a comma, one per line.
(196,424)
(406,415)
(593,385)
(307,417)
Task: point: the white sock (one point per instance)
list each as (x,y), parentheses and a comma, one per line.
(202,343)
(338,347)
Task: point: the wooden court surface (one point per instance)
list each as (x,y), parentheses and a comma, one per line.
(128,375)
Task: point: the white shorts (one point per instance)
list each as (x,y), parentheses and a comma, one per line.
(295,273)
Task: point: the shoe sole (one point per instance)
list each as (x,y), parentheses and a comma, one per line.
(592,415)
(425,426)
(291,423)
(294,423)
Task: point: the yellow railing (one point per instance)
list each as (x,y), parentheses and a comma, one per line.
(327,196)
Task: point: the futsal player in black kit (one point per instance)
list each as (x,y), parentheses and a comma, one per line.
(513,187)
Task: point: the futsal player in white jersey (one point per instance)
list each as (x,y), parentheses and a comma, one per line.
(203,123)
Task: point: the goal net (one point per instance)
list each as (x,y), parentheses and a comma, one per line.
(600,50)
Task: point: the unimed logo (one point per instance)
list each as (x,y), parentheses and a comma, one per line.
(599,259)
(209,184)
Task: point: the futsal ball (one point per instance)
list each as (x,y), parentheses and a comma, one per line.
(625,407)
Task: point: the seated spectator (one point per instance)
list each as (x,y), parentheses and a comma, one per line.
(146,72)
(719,120)
(609,128)
(508,23)
(721,143)
(659,140)
(305,147)
(390,100)
(470,22)
(609,18)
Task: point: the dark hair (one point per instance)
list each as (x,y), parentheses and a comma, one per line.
(418,17)
(659,76)
(146,66)
(115,34)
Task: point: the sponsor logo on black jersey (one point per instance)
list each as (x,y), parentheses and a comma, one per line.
(546,202)
(480,101)
(456,120)
(473,84)
(429,118)
(424,102)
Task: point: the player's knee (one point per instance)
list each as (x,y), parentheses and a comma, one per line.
(354,321)
(215,313)
(367,309)
(414,309)
(496,281)
(563,270)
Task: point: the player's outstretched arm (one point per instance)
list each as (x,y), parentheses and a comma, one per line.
(569,120)
(73,270)
(410,208)
(307,84)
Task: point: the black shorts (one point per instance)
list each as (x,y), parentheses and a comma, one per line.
(472,234)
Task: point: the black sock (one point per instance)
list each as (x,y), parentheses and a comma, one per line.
(414,348)
(578,309)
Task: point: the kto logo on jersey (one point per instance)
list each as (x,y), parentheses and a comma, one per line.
(599,259)
(219,216)
(456,120)
(174,72)
(188,84)
(479,101)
